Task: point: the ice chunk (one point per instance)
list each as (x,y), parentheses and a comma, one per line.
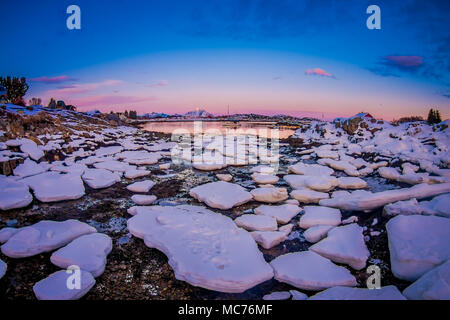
(344,245)
(283,213)
(268,239)
(55,287)
(264,178)
(3,268)
(311,169)
(204,248)
(44,236)
(316,233)
(345,293)
(6,233)
(310,271)
(417,244)
(308,196)
(351,183)
(142,199)
(100,178)
(269,195)
(253,222)
(224,177)
(30,147)
(316,215)
(13,194)
(88,252)
(221,195)
(317,183)
(30,168)
(136,173)
(277,295)
(141,186)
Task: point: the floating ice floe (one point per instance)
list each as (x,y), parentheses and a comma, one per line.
(282,213)
(268,239)
(100,178)
(30,168)
(308,196)
(277,295)
(310,271)
(253,222)
(346,293)
(3,268)
(433,285)
(317,183)
(263,178)
(366,201)
(88,252)
(221,195)
(44,236)
(143,199)
(55,287)
(316,215)
(204,248)
(310,169)
(417,244)
(13,194)
(269,195)
(141,186)
(316,233)
(351,183)
(53,186)
(344,245)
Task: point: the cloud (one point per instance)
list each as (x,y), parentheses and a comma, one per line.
(160,83)
(82,87)
(318,72)
(277,78)
(51,80)
(403,62)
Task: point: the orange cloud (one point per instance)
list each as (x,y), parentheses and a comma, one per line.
(318,72)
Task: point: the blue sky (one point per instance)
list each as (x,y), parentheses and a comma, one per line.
(297,57)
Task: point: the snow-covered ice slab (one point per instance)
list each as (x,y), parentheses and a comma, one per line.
(433,285)
(253,222)
(54,287)
(6,233)
(141,186)
(344,245)
(108,151)
(30,147)
(316,233)
(100,178)
(282,213)
(224,177)
(30,168)
(262,178)
(44,236)
(53,186)
(136,173)
(13,194)
(311,169)
(221,195)
(269,195)
(346,293)
(439,205)
(3,268)
(362,201)
(277,295)
(209,166)
(317,183)
(309,196)
(268,239)
(316,215)
(113,165)
(310,271)
(417,244)
(88,252)
(204,248)
(143,199)
(351,183)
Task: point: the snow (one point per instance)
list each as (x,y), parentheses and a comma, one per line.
(253,222)
(224,177)
(310,169)
(351,183)
(3,268)
(308,196)
(316,233)
(269,195)
(30,147)
(433,285)
(310,271)
(278,295)
(100,178)
(141,186)
(268,239)
(44,236)
(52,186)
(13,194)
(346,293)
(263,178)
(344,245)
(417,244)
(221,195)
(204,248)
(282,213)
(316,215)
(88,252)
(54,287)
(30,168)
(369,201)
(142,199)
(317,183)
(108,151)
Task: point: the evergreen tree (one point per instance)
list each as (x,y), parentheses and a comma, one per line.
(15,88)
